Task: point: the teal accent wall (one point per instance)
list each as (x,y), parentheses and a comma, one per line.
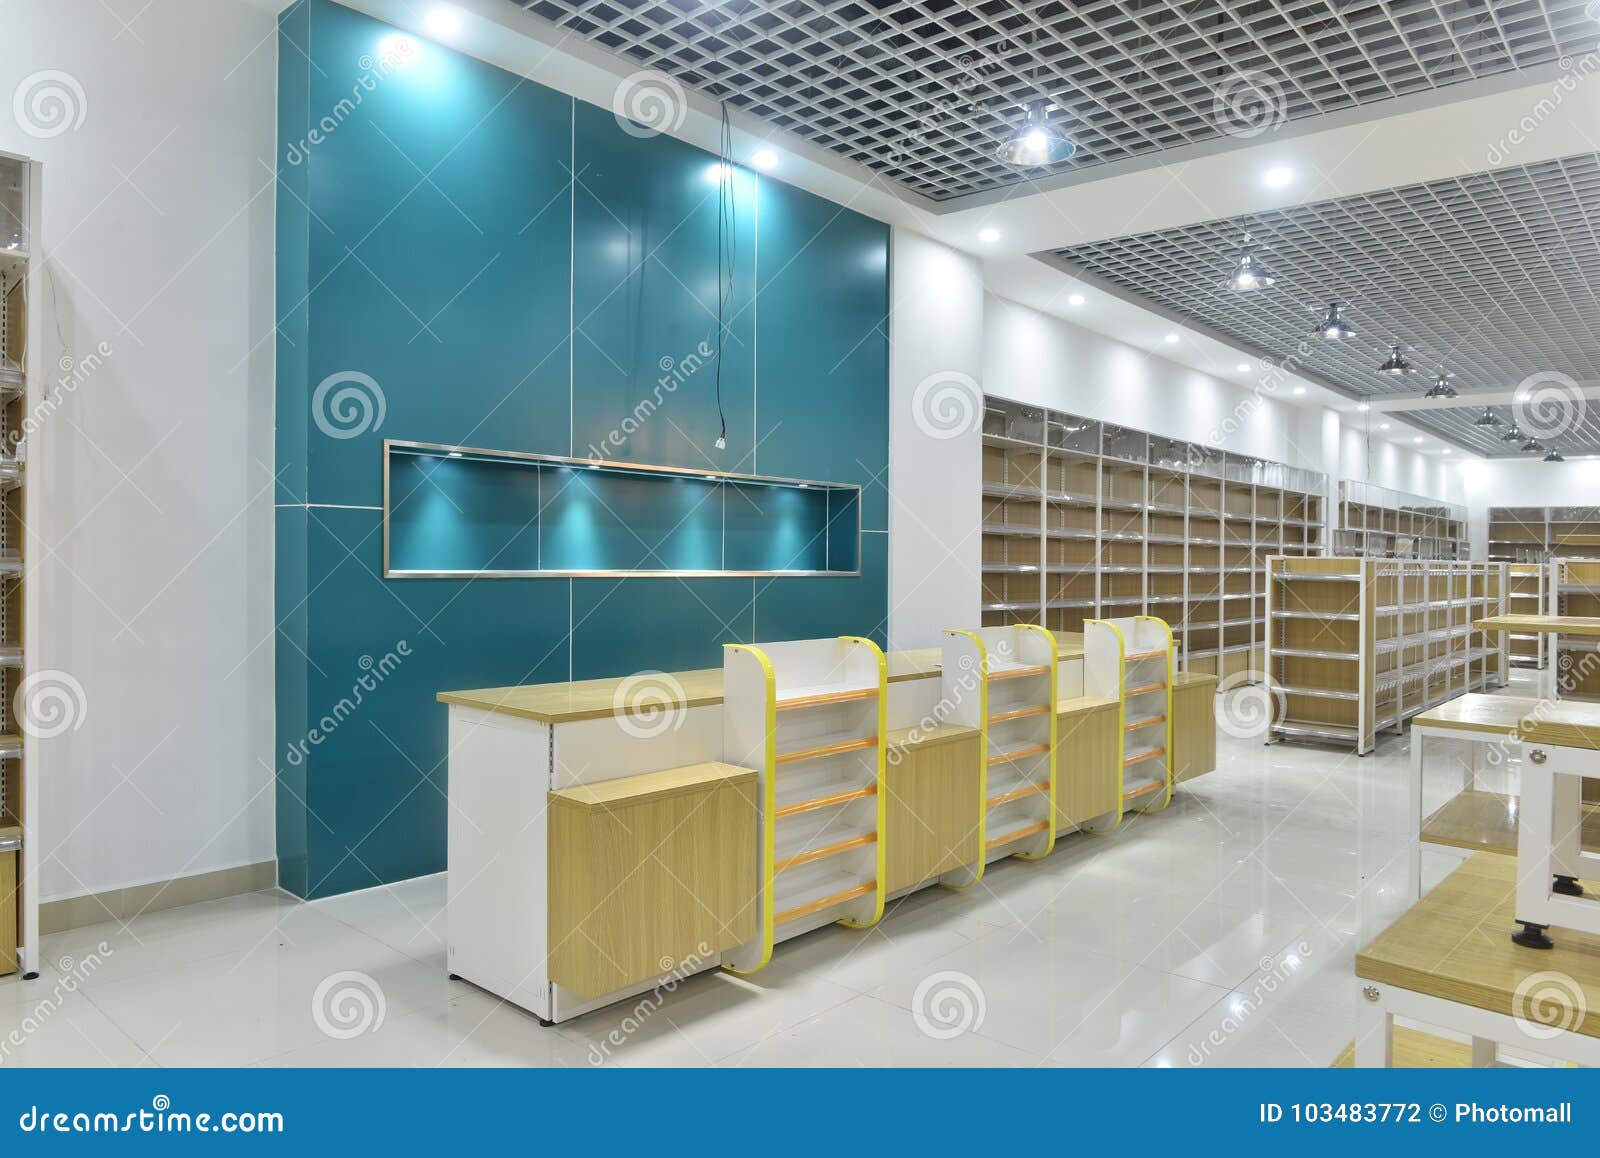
(467,257)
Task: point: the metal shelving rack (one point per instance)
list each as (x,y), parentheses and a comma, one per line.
(1573,588)
(18,853)
(1527,597)
(1086,520)
(1535,534)
(1358,645)
(1380,523)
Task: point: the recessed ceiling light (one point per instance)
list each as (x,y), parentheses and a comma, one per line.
(1243,367)
(765,159)
(1383,426)
(1299,389)
(1075,300)
(1446,450)
(1170,339)
(1277,177)
(1363,407)
(1418,438)
(442,20)
(988,235)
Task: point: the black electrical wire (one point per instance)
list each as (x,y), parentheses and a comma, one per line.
(727,239)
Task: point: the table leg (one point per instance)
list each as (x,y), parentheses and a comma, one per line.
(1483,1052)
(1418,737)
(1567,838)
(1534,855)
(1374,1031)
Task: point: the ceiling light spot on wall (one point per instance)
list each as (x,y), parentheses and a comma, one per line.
(1278,177)
(442,21)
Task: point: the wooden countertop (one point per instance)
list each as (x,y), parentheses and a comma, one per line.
(1484,821)
(1544,624)
(1567,723)
(1455,944)
(1077,704)
(628,790)
(565,703)
(919,736)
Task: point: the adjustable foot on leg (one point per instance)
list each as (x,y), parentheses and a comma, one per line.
(545,1022)
(1532,936)
(1567,886)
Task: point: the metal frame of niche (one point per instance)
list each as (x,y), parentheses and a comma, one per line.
(437,450)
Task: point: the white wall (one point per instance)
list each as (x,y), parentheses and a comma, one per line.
(935,459)
(1526,482)
(155,582)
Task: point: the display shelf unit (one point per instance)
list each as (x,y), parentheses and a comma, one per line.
(1526,597)
(19,913)
(1087,520)
(1535,534)
(1572,588)
(1380,523)
(810,716)
(1359,645)
(1003,681)
(1133,660)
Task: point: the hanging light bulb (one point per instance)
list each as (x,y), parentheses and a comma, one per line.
(1531,446)
(1554,456)
(1512,434)
(1248,274)
(1035,142)
(1396,363)
(1441,387)
(1487,418)
(1333,326)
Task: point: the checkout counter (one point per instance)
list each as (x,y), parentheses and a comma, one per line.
(610,836)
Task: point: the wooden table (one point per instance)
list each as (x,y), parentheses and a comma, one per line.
(1447,963)
(1476,819)
(1588,626)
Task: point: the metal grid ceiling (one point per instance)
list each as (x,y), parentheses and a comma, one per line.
(1494,277)
(921,91)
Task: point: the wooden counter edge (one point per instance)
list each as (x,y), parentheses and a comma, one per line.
(626,791)
(920,736)
(1081,705)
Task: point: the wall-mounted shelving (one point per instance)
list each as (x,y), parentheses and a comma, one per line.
(18,854)
(467,512)
(1380,523)
(1535,534)
(1088,520)
(1360,645)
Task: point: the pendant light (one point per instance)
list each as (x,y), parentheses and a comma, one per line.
(1333,326)
(1036,141)
(1512,434)
(1486,419)
(1395,364)
(1554,456)
(1441,387)
(1248,274)
(1531,446)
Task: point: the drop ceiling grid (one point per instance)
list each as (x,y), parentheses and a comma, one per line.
(922,90)
(1493,277)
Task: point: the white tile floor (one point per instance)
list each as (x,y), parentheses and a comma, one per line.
(1219,932)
